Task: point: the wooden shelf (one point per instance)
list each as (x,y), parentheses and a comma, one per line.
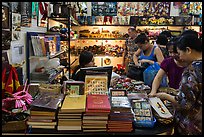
(65,20)
(101,39)
(143,25)
(58,53)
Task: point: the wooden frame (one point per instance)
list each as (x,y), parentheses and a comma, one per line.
(96,84)
(73,87)
(118,92)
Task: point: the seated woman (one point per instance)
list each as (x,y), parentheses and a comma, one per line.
(86,59)
(172,66)
(147,53)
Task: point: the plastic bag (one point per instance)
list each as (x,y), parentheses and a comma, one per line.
(150,73)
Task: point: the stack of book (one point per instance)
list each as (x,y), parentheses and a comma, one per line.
(96,116)
(121,115)
(70,113)
(44,109)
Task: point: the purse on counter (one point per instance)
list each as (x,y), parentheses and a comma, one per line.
(135,72)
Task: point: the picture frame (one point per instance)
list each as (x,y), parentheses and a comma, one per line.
(73,87)
(118,92)
(96,84)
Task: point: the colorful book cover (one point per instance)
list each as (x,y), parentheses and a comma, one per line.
(98,102)
(57,42)
(42,43)
(47,100)
(72,103)
(121,102)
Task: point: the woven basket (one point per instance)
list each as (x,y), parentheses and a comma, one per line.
(14,126)
(50,88)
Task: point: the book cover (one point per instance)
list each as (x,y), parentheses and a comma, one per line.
(41,117)
(32,123)
(120,102)
(47,100)
(68,127)
(52,47)
(44,126)
(98,102)
(42,43)
(42,113)
(118,92)
(74,103)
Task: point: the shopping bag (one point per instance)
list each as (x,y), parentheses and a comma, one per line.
(150,73)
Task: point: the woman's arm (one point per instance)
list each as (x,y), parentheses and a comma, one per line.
(159,55)
(156,82)
(165,96)
(135,56)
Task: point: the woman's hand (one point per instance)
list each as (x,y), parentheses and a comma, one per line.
(151,94)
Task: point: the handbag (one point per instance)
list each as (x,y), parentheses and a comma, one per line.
(135,72)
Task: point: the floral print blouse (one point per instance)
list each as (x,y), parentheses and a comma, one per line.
(188,116)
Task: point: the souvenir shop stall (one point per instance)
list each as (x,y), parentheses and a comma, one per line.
(41,44)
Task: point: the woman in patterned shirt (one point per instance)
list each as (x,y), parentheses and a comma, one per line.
(188,102)
(130,48)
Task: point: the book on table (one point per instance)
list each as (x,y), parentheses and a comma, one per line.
(47,100)
(72,104)
(98,102)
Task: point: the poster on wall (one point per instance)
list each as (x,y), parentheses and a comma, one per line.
(5,17)
(184,9)
(195,8)
(6,40)
(17,52)
(26,14)
(16,26)
(43,14)
(35,10)
(104,8)
(157,8)
(174,10)
(15,7)
(35,14)
(130,8)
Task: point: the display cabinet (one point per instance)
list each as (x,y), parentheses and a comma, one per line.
(107,41)
(58,30)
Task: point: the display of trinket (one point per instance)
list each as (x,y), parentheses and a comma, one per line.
(130,9)
(157,9)
(143,113)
